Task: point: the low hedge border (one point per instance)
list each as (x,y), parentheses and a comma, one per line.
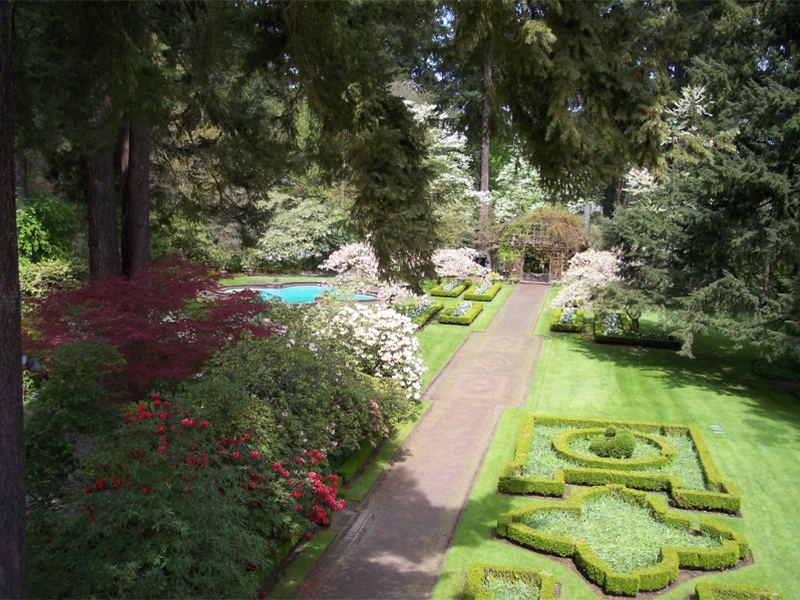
(447,317)
(722,495)
(487,297)
(563,439)
(734,546)
(477,572)
(556,325)
(423,319)
(719,591)
(454,293)
(629,339)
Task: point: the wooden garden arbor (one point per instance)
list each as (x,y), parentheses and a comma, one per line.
(554,239)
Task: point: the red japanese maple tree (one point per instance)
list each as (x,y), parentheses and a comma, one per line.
(165,322)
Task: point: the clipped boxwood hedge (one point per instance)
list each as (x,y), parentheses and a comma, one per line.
(556,325)
(477,573)
(421,320)
(722,495)
(454,293)
(487,297)
(446,316)
(719,591)
(511,525)
(629,338)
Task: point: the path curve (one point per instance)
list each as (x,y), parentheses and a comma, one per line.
(394,543)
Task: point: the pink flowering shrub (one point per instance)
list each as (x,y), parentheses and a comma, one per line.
(171,509)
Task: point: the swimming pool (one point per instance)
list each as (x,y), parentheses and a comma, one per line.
(298,293)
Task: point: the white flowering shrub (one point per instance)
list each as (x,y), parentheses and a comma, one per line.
(587,272)
(458,262)
(380,339)
(462,309)
(518,191)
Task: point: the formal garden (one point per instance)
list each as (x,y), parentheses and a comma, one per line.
(451,299)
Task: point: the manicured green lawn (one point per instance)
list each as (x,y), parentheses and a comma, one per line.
(760,452)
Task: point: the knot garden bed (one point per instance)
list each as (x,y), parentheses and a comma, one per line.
(548,456)
(621,539)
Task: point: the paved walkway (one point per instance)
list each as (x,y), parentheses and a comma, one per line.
(393,544)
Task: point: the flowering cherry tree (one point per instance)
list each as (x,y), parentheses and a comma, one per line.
(587,272)
(457,263)
(381,340)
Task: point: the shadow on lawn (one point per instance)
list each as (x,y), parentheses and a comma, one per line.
(717,368)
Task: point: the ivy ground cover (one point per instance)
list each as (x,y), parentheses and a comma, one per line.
(760,452)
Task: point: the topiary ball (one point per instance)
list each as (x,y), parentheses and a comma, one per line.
(620,444)
(611,431)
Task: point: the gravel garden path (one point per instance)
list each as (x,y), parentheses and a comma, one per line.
(394,543)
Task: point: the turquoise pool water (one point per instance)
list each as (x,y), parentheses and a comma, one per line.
(299,293)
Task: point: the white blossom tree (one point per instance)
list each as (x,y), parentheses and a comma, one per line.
(588,272)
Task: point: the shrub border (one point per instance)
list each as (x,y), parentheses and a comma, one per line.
(555,325)
(626,339)
(734,547)
(476,574)
(487,297)
(720,591)
(722,496)
(447,318)
(454,293)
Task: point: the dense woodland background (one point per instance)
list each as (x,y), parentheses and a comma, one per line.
(266,135)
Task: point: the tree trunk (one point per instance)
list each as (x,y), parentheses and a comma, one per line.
(485,218)
(13,552)
(136,196)
(21,177)
(103,240)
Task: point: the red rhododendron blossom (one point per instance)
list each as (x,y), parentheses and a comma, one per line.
(255,454)
(235,454)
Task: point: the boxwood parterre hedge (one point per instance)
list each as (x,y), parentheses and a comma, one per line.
(631,338)
(477,573)
(557,325)
(422,319)
(722,495)
(454,293)
(719,591)
(447,317)
(488,296)
(734,546)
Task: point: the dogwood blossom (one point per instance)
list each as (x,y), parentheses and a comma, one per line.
(587,271)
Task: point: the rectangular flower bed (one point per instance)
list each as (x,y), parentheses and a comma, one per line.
(484,291)
(615,328)
(567,320)
(544,462)
(485,582)
(460,313)
(423,311)
(452,288)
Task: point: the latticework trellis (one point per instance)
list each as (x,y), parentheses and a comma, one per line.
(544,241)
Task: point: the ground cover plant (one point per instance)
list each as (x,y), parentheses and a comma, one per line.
(621,539)
(758,449)
(499,582)
(552,451)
